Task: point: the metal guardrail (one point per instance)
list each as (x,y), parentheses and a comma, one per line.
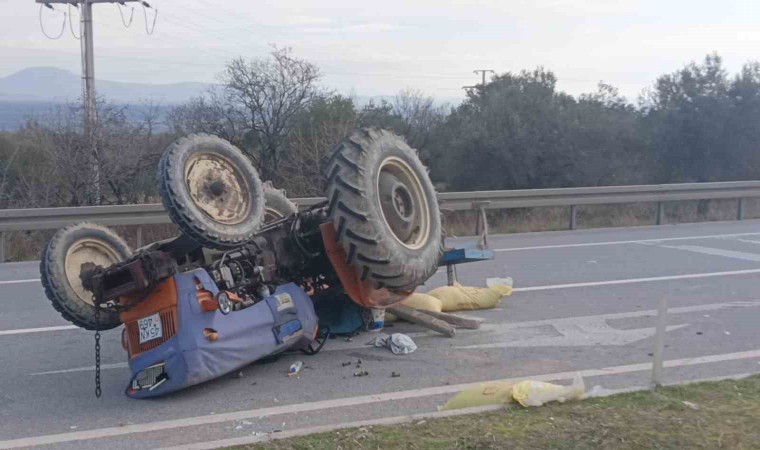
(52,218)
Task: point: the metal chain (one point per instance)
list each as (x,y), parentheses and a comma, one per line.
(97,350)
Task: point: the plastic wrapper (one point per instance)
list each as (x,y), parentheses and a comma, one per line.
(460,298)
(494,393)
(537,393)
(424,302)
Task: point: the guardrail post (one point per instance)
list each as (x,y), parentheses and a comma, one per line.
(660,213)
(2,247)
(740,209)
(573,217)
(659,341)
(138,238)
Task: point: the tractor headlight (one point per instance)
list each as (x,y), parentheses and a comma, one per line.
(150,377)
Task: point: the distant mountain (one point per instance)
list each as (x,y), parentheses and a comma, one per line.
(49,84)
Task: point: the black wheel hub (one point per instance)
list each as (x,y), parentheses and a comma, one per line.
(398,206)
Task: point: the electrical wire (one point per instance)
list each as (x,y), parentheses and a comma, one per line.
(131,16)
(71,25)
(42,27)
(145,14)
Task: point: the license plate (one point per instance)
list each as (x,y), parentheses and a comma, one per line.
(150,328)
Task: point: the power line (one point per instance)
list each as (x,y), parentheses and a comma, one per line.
(131,15)
(42,27)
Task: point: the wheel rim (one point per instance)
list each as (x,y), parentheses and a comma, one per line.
(403,202)
(93,251)
(217,188)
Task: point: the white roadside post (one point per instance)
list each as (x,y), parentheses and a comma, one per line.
(659,343)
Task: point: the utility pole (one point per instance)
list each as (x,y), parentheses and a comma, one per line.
(88,77)
(88,92)
(483,72)
(483,83)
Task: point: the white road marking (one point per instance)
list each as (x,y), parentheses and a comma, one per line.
(520,327)
(638,241)
(85,369)
(715,252)
(350,401)
(37,330)
(31,280)
(384,421)
(748,241)
(578,334)
(637,280)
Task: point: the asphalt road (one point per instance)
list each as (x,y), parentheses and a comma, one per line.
(584,302)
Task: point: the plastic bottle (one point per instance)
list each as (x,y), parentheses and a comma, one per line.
(295,368)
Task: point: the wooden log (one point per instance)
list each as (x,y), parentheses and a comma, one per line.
(453,319)
(427,321)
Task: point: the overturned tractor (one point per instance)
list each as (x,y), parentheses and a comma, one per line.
(237,283)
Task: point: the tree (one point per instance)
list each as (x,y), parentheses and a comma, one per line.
(688,115)
(54,158)
(268,94)
(316,131)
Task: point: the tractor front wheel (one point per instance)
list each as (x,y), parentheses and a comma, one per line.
(68,255)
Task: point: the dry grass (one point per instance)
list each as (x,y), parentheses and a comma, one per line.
(717,415)
(520,220)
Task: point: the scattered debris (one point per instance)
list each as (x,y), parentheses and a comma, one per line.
(347,363)
(395,374)
(691,405)
(421,422)
(295,368)
(399,344)
(239,427)
(237,375)
(527,393)
(598,391)
(73,427)
(699,333)
(361,373)
(727,333)
(349,339)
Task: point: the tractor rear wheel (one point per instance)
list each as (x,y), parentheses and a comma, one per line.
(211,191)
(384,209)
(69,253)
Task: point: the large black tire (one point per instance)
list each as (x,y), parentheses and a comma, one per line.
(211,191)
(384,209)
(60,269)
(276,203)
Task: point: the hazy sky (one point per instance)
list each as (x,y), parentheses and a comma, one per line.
(380,47)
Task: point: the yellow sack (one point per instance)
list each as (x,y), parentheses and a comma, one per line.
(459,298)
(536,393)
(421,301)
(496,393)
